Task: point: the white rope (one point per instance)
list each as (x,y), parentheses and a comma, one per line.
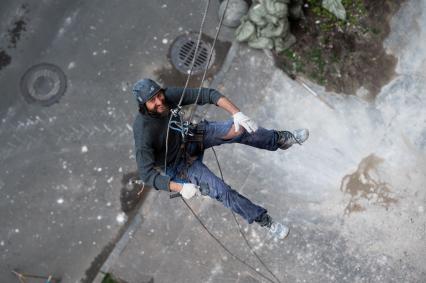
(208,62)
(187,81)
(190,119)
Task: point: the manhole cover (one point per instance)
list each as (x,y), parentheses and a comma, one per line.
(182,53)
(43,84)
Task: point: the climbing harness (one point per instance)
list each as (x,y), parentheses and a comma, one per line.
(181,125)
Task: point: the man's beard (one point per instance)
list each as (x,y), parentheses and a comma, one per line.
(164,110)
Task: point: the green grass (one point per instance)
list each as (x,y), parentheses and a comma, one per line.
(108,279)
(328,21)
(317,58)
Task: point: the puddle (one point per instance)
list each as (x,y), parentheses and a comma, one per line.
(364,188)
(15,32)
(130,200)
(5,59)
(129,197)
(19,25)
(168,76)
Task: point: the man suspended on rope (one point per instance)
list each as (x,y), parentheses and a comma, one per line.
(185,171)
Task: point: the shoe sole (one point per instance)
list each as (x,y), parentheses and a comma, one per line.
(286,236)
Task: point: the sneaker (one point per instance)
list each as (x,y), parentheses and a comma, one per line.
(287,139)
(278,230)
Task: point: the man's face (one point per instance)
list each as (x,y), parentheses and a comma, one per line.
(157,104)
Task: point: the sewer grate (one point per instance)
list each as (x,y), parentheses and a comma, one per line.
(182,53)
(43,84)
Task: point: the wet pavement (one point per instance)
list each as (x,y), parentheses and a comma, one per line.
(353,195)
(62,166)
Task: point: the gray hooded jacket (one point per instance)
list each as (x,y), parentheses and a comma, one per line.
(150,135)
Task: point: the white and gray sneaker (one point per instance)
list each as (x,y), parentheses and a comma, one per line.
(278,230)
(287,139)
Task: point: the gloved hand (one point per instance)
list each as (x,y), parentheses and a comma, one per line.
(189,190)
(242,120)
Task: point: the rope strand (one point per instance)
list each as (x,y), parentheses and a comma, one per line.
(187,81)
(239,226)
(190,119)
(208,63)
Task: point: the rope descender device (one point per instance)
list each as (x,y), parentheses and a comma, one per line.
(184,127)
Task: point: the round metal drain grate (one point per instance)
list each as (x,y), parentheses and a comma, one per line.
(43,84)
(182,53)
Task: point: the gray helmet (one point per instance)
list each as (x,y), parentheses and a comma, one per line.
(145,89)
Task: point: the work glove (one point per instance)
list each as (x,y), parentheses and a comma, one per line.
(189,190)
(242,120)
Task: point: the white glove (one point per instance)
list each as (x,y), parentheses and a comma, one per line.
(245,122)
(189,190)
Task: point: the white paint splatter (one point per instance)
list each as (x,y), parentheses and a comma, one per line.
(16,230)
(61,32)
(68,21)
(123,86)
(165,41)
(121,217)
(2,243)
(71,65)
(60,200)
(95,53)
(164,6)
(99,217)
(110,179)
(84,149)
(217,270)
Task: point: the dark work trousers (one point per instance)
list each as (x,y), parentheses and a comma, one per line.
(197,172)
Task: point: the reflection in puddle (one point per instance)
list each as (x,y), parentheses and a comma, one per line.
(129,197)
(364,189)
